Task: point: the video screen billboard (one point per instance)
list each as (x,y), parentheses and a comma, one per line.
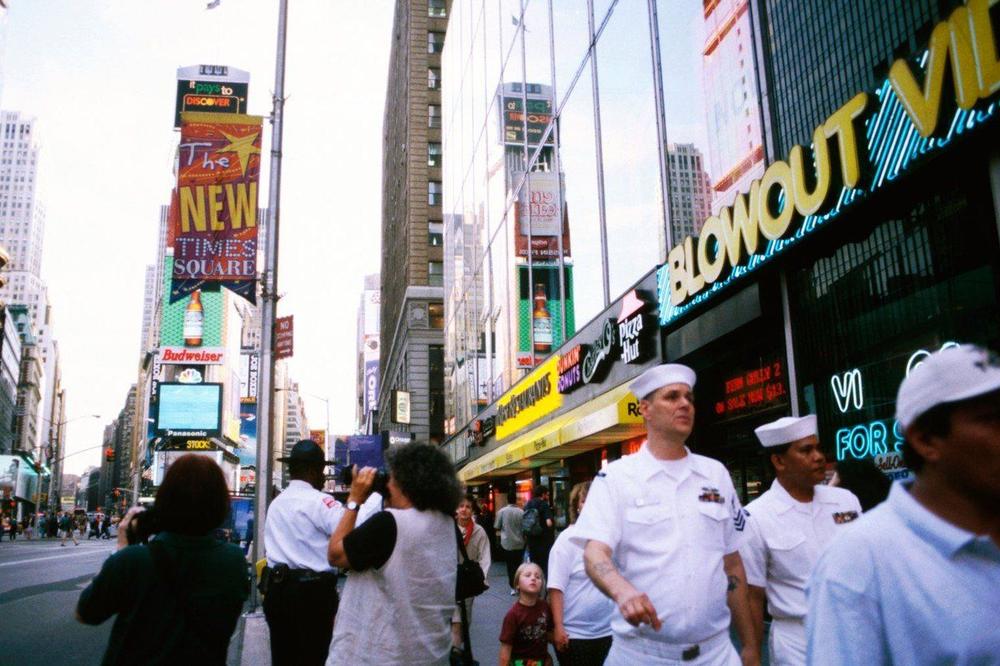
(189,410)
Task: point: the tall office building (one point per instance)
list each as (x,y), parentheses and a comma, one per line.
(411,391)
(22,217)
(816,59)
(690,190)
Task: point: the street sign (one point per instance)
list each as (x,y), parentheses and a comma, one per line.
(283,337)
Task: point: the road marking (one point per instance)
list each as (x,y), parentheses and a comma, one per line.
(56,557)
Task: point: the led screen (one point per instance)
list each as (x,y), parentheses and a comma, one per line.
(189,409)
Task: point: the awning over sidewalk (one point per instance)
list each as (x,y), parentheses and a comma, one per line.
(610,417)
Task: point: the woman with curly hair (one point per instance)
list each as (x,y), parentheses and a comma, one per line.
(397,603)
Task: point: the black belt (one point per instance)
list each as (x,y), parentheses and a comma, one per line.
(283,572)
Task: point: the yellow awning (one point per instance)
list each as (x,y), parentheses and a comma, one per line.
(610,417)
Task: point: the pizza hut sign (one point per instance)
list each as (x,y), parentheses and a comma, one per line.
(627,339)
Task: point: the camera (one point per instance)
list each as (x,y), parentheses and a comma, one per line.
(142,526)
(380,485)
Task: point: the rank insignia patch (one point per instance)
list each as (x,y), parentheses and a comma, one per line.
(845,517)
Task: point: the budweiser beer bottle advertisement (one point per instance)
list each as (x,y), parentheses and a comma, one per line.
(194,321)
(542,321)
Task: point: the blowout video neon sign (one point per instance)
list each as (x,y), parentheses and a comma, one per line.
(789,201)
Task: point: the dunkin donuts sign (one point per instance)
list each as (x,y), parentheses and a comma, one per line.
(186,356)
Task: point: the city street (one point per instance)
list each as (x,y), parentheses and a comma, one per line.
(39,585)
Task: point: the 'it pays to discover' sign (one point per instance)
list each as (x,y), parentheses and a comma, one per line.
(215,224)
(185,356)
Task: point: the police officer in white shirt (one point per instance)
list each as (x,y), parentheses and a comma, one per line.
(917,579)
(300,601)
(660,534)
(787,528)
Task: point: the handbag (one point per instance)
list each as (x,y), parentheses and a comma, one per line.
(470,580)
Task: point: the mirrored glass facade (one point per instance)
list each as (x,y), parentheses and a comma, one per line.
(600,155)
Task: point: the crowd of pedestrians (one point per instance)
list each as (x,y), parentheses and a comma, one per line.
(660,563)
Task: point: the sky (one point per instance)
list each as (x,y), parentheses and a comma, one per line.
(100,78)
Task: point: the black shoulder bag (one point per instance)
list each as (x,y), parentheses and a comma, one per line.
(469,582)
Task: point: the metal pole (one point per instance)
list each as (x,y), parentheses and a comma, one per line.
(557,167)
(661,126)
(599,156)
(270,302)
(526,190)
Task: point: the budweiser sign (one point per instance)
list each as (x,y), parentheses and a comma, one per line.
(185,356)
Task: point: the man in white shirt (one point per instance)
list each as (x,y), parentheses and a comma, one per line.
(787,529)
(660,535)
(301,598)
(917,579)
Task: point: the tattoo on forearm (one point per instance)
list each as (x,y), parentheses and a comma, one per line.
(734,582)
(602,569)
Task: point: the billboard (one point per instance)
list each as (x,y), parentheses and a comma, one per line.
(247,450)
(319,438)
(540,198)
(211,89)
(249,373)
(215,237)
(735,140)
(360,450)
(180,317)
(9,466)
(538,118)
(540,296)
(370,312)
(189,410)
(370,398)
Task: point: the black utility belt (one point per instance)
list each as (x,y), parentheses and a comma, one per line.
(282,573)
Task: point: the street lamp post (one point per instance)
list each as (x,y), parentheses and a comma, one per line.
(58,427)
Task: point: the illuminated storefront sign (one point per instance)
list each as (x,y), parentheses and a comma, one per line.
(534,396)
(753,390)
(902,122)
(629,338)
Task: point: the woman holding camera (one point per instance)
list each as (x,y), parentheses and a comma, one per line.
(397,603)
(179,596)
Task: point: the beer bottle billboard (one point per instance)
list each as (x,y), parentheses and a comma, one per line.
(542,321)
(194,321)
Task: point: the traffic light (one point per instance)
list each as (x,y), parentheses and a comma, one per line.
(109,454)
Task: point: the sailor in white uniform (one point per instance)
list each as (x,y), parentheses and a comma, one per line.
(787,529)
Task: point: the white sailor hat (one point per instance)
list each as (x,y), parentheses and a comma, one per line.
(950,375)
(786,430)
(662,375)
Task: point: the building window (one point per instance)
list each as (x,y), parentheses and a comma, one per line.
(434,154)
(435,273)
(435,234)
(433,78)
(435,42)
(436,315)
(437,9)
(434,116)
(433,193)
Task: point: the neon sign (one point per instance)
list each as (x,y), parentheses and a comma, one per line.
(847,389)
(755,389)
(780,209)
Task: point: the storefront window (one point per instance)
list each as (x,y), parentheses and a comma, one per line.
(865,314)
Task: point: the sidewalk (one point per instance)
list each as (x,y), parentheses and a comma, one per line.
(250,645)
